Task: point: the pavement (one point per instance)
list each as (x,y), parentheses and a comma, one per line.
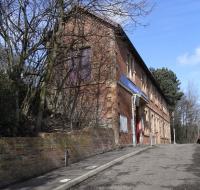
(166,167)
(67,177)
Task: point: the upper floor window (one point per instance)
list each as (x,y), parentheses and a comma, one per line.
(133,65)
(79,65)
(151,92)
(144,82)
(130,65)
(160,102)
(146,115)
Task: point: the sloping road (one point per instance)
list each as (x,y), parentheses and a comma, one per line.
(173,167)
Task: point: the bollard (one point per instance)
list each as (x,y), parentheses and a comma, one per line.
(66,157)
(151,139)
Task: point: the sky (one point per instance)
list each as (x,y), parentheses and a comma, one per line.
(171,39)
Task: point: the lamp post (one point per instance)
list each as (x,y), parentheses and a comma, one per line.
(174,135)
(133,119)
(174,131)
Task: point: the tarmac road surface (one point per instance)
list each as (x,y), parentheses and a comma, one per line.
(174,167)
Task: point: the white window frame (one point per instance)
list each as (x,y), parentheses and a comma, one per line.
(123,124)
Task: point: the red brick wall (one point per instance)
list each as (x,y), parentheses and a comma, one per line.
(124,108)
(109,57)
(22,158)
(122,50)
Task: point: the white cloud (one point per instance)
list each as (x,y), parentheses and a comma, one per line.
(190,59)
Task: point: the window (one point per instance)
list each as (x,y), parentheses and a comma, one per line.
(160,102)
(152,123)
(151,92)
(156,98)
(129,65)
(123,124)
(143,81)
(79,65)
(132,65)
(146,114)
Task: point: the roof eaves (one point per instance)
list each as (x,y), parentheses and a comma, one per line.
(123,33)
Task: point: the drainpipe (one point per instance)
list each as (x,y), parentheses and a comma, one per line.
(133,119)
(174,136)
(174,129)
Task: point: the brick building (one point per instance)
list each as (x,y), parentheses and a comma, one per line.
(123,92)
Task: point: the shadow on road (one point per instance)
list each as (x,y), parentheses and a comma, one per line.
(194,168)
(32,184)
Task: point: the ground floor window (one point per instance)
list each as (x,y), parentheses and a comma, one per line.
(123,124)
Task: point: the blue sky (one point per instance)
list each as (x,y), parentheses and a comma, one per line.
(171,39)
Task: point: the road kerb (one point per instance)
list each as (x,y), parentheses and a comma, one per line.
(89,174)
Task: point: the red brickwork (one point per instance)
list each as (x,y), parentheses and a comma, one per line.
(143,79)
(110,50)
(124,108)
(23,158)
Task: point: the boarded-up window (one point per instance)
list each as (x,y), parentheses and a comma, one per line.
(123,124)
(79,64)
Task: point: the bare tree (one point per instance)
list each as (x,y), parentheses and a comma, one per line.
(23,27)
(188,114)
(34,37)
